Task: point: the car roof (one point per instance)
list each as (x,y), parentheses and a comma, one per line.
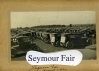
(21,36)
(46,33)
(65,33)
(25,32)
(33,31)
(53,33)
(69,33)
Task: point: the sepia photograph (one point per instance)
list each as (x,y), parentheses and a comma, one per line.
(53,31)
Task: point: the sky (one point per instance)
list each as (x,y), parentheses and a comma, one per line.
(30,19)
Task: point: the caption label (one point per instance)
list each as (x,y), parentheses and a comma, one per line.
(69,57)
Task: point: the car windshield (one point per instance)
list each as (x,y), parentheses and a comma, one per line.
(74,36)
(25,39)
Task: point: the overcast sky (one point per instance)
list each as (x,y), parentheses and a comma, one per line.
(29,19)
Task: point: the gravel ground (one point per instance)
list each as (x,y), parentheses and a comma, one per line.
(87,53)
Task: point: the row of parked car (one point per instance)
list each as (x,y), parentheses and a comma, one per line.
(68,40)
(23,41)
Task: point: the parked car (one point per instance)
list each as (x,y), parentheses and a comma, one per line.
(37,34)
(46,37)
(24,44)
(70,40)
(33,34)
(55,39)
(40,35)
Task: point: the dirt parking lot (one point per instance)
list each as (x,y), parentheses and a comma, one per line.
(87,53)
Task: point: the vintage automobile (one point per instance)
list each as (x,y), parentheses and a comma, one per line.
(69,40)
(24,44)
(46,37)
(33,34)
(90,33)
(40,36)
(55,39)
(37,34)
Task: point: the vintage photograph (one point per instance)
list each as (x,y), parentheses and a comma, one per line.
(53,31)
